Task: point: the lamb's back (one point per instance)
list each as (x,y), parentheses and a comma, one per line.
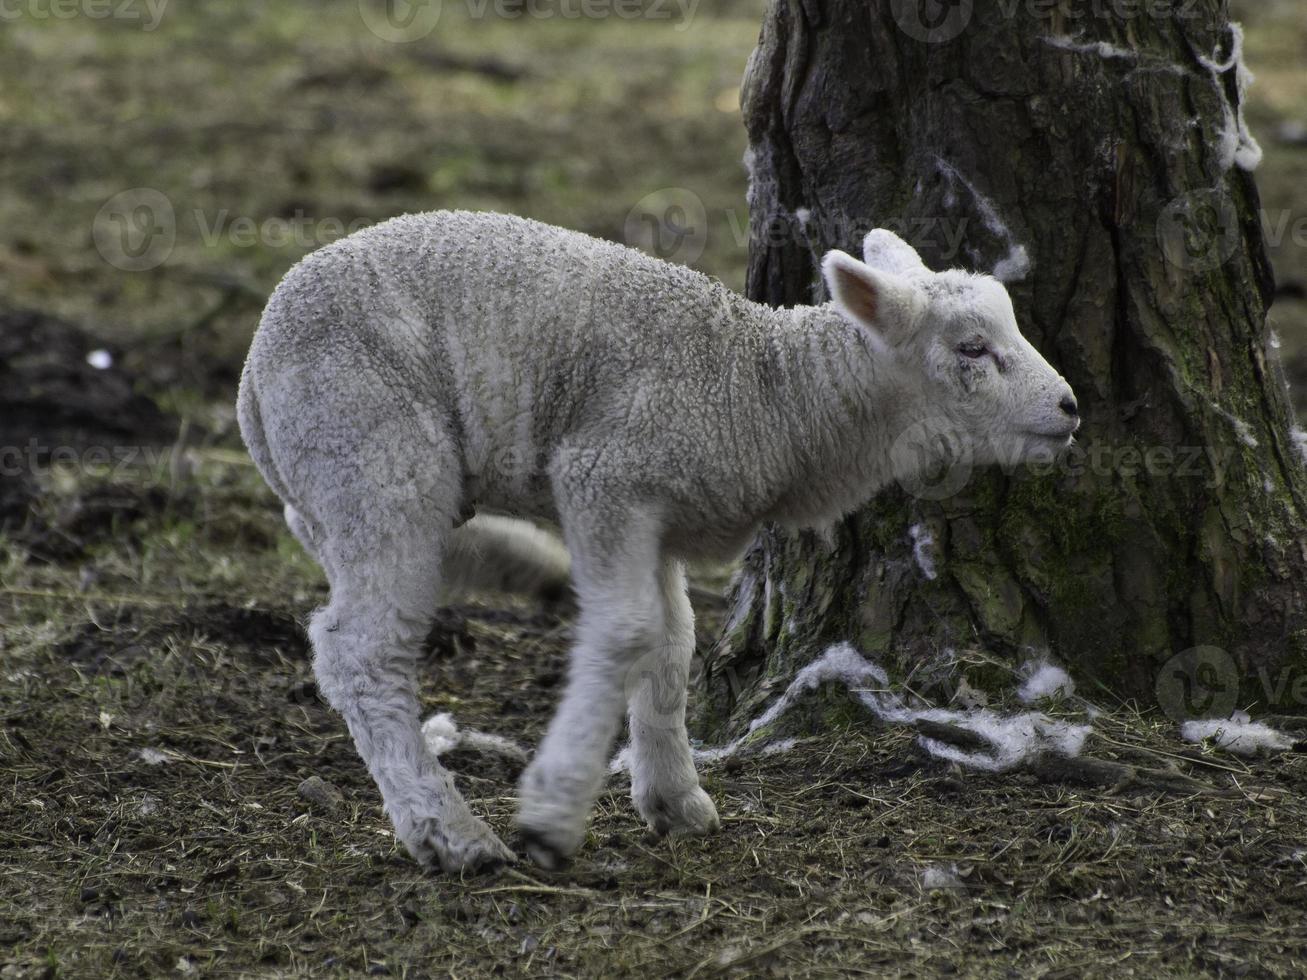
(527,335)
(496,301)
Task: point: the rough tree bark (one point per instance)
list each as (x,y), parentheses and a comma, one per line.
(1096,162)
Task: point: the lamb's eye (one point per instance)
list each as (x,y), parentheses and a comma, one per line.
(973,348)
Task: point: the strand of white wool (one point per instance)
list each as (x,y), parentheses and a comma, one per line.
(1241,428)
(922,542)
(1236,734)
(1013,739)
(1299,438)
(443,735)
(1014,266)
(1046,681)
(832,665)
(1101,48)
(1237,144)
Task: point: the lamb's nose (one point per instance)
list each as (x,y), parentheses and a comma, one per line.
(1068,405)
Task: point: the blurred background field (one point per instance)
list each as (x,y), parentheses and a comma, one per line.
(1276,52)
(157,705)
(295,120)
(268,128)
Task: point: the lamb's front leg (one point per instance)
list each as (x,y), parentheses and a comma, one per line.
(664,783)
(615,569)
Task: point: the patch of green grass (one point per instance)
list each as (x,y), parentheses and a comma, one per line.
(269,129)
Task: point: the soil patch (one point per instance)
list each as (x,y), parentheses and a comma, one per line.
(65,530)
(51,397)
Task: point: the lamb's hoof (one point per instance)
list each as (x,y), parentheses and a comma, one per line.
(690,813)
(471,848)
(544,852)
(552,827)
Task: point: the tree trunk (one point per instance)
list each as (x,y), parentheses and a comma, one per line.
(1097,164)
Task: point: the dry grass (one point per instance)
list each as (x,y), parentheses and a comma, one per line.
(154,738)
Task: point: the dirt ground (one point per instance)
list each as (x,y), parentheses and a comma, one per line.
(158,718)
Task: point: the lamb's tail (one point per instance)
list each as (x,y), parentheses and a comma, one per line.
(506,555)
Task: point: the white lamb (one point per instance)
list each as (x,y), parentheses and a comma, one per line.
(415,372)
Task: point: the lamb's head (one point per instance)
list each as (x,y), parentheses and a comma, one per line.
(953,342)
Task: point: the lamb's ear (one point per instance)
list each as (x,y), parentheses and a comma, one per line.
(883,304)
(882,249)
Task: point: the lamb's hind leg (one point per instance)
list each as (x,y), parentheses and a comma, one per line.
(366,644)
(664,783)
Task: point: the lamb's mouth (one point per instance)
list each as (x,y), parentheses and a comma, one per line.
(1062,437)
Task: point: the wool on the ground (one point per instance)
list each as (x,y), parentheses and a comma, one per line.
(1237,734)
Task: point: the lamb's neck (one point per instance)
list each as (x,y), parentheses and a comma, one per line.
(835,415)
